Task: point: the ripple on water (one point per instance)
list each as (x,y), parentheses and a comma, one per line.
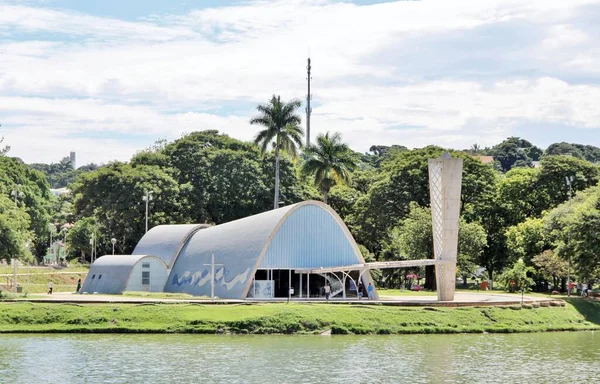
(516,358)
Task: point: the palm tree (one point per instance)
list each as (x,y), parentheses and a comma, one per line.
(330,161)
(281,124)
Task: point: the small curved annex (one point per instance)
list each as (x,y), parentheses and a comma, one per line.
(115,274)
(166,241)
(307,235)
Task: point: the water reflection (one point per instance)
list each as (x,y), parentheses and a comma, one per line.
(526,358)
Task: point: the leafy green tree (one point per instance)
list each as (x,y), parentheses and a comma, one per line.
(521,196)
(554,170)
(550,266)
(35,198)
(80,235)
(403,179)
(517,277)
(282,124)
(527,240)
(113,196)
(413,240)
(330,161)
(534,153)
(14,227)
(510,151)
(472,241)
(580,151)
(379,153)
(189,164)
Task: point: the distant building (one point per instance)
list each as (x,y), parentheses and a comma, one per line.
(60,191)
(73,159)
(485,159)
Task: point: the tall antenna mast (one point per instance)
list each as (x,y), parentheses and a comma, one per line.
(308,108)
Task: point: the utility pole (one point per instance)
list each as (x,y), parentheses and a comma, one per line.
(212,276)
(308,108)
(569,180)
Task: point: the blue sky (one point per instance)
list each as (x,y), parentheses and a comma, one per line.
(108,78)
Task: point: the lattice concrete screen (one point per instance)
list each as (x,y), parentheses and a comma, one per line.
(445,180)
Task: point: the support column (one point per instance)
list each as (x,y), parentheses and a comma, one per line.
(300,292)
(445,180)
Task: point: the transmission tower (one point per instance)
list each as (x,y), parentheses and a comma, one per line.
(308,108)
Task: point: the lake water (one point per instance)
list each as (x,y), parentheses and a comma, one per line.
(485,358)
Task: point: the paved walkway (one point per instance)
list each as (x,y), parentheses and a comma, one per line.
(461,299)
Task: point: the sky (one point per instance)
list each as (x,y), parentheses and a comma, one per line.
(108,78)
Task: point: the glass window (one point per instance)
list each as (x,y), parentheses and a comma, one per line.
(145,265)
(145,277)
(93,277)
(99,277)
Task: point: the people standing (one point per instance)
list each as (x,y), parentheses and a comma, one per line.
(78,286)
(584,290)
(370,291)
(327,290)
(570,288)
(50,288)
(360,290)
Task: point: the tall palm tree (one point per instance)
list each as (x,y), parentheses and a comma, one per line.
(330,161)
(282,125)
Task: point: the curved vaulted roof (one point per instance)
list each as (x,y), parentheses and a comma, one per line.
(110,274)
(166,241)
(304,235)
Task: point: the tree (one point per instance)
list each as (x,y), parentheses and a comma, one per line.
(112,195)
(14,227)
(413,240)
(564,148)
(281,124)
(35,201)
(404,178)
(550,266)
(330,161)
(527,240)
(472,240)
(521,196)
(5,149)
(475,149)
(510,151)
(517,277)
(552,175)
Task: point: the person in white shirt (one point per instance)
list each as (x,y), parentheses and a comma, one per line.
(327,290)
(50,287)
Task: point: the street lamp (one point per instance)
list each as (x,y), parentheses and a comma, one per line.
(52,228)
(92,246)
(569,180)
(16,193)
(65,230)
(113,241)
(147,198)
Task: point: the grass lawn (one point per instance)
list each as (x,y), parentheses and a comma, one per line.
(293,318)
(164,295)
(64,279)
(9,270)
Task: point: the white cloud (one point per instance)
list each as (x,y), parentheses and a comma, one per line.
(80,76)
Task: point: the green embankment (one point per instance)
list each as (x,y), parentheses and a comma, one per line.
(63,279)
(292,318)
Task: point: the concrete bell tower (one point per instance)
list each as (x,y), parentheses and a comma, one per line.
(445,181)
